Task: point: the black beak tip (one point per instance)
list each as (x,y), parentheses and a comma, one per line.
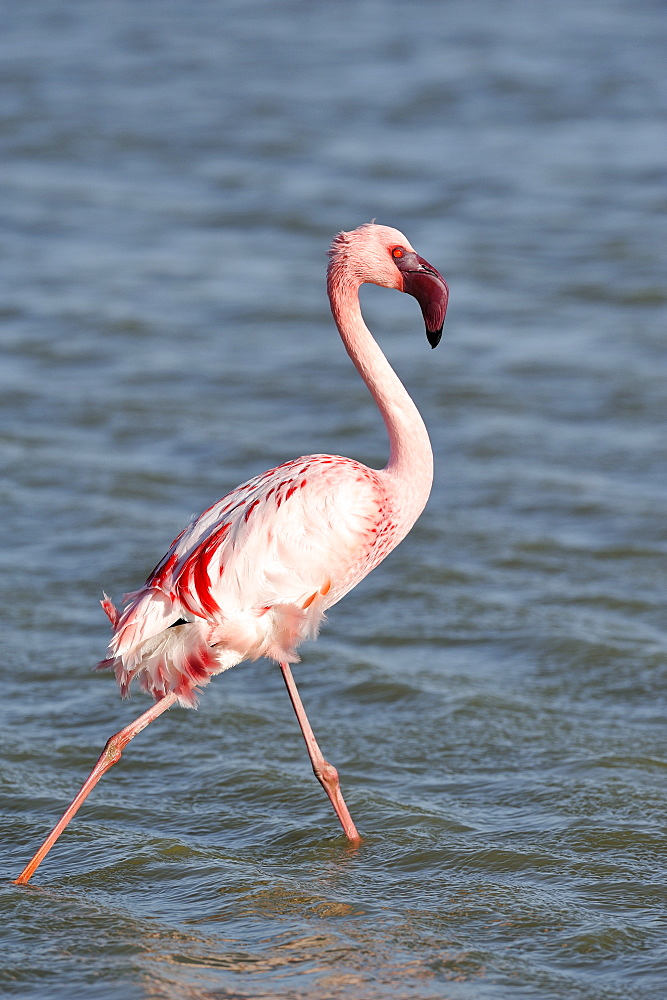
(433,337)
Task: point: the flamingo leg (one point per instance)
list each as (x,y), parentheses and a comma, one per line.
(111,753)
(326,773)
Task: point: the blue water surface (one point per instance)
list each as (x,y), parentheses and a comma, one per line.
(171,175)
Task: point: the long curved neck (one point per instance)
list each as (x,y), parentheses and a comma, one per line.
(410,454)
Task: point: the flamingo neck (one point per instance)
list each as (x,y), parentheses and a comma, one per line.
(410,455)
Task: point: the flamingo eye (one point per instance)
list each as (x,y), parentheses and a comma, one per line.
(397,253)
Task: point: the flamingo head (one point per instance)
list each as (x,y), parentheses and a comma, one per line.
(383,256)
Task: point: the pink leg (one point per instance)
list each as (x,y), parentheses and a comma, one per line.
(111,753)
(326,774)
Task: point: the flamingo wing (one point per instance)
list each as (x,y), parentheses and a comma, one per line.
(254,573)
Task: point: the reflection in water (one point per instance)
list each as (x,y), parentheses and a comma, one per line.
(376,950)
(371,954)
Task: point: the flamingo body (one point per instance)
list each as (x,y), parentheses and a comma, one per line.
(253,575)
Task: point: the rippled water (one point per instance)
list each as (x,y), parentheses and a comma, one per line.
(494,694)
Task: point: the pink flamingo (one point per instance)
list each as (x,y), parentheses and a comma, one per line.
(253,575)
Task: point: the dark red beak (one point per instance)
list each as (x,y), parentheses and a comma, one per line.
(429,288)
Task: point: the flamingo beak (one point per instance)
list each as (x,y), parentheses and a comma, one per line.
(429,288)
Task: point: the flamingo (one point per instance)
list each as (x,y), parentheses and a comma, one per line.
(254,573)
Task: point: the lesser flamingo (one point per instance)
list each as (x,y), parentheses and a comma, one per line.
(253,575)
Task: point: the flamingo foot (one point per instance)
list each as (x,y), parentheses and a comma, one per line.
(326,773)
(111,753)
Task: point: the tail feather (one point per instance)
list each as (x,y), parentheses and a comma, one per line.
(183,658)
(179,660)
(110,610)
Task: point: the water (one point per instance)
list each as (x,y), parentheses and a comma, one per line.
(494,694)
